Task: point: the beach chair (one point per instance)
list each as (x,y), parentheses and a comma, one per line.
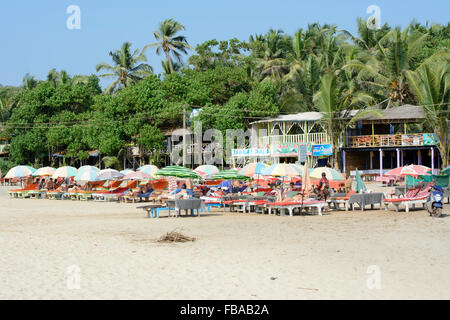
(337,201)
(290,206)
(411,199)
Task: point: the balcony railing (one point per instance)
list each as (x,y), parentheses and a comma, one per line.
(391,140)
(313,138)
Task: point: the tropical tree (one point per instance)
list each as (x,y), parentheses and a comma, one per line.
(385,72)
(430,84)
(169,42)
(127,67)
(28,82)
(337,101)
(165,64)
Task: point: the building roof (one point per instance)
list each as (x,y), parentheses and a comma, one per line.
(302,116)
(405,113)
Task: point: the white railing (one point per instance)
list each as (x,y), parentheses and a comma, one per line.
(313,138)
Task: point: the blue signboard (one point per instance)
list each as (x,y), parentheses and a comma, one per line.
(322,150)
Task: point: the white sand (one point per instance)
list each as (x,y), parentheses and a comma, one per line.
(234,257)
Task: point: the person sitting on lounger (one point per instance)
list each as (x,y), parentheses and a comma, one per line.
(146,191)
(50,185)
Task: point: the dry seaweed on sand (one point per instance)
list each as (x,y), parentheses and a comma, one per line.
(175,236)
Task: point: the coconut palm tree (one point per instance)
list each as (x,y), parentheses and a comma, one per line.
(127,67)
(272,60)
(166,66)
(28,82)
(169,42)
(430,84)
(385,71)
(337,100)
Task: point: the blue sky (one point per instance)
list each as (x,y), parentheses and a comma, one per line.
(35,38)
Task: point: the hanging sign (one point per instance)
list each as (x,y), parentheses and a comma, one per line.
(322,150)
(289,149)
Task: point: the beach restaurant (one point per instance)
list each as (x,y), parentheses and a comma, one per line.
(378,144)
(288,139)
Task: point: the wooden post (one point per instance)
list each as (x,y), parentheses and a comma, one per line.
(381,162)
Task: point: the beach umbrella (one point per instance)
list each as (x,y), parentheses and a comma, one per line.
(65,172)
(411,170)
(109,174)
(90,168)
(150,169)
(86,175)
(177,171)
(360,186)
(45,171)
(283,170)
(331,174)
(139,175)
(231,174)
(207,170)
(253,169)
(126,171)
(20,172)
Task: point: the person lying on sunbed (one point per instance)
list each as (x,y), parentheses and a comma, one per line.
(146,191)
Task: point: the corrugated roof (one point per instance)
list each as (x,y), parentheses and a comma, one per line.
(403,113)
(302,116)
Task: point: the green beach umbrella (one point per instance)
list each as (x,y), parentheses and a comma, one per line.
(177,171)
(229,175)
(360,186)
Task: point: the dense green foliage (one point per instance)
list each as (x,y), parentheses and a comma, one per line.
(320,68)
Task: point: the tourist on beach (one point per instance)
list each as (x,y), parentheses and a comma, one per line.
(348,183)
(50,184)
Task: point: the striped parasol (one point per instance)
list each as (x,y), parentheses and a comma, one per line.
(20,172)
(331,174)
(86,175)
(150,169)
(45,171)
(139,175)
(109,174)
(177,171)
(126,171)
(65,172)
(207,170)
(231,174)
(91,168)
(172,184)
(283,170)
(411,170)
(253,169)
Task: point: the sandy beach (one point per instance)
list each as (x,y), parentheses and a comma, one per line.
(112,248)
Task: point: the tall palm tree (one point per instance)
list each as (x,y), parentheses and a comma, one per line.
(57,78)
(385,71)
(127,67)
(166,66)
(430,84)
(336,100)
(169,42)
(272,56)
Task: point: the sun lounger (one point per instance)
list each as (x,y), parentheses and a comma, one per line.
(408,201)
(290,206)
(336,201)
(54,195)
